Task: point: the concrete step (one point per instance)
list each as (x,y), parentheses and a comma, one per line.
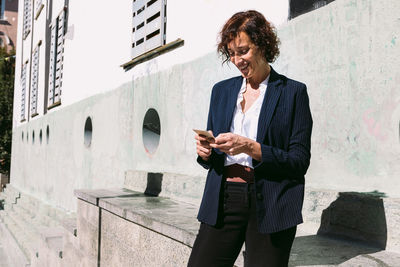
(44,234)
(46,217)
(25,221)
(12,254)
(36,218)
(19,234)
(10,194)
(27,233)
(40,243)
(43,214)
(59,248)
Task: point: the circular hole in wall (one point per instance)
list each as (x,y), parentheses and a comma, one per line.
(33,137)
(27,136)
(40,136)
(47,134)
(22,136)
(151,131)
(88,132)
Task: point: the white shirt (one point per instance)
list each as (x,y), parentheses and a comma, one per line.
(246,124)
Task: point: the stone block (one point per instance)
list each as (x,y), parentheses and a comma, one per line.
(88,228)
(125,243)
(93,196)
(392,211)
(136,180)
(180,187)
(165,216)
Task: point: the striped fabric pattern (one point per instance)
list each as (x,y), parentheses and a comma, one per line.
(284,132)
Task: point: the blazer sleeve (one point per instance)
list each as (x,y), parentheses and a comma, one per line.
(294,161)
(207,164)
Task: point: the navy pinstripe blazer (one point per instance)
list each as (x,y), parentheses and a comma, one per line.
(284,132)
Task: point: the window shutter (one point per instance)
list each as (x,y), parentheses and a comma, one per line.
(23,90)
(27,18)
(56,59)
(59,57)
(52,67)
(149,23)
(34,80)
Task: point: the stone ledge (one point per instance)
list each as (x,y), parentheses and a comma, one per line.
(176,220)
(179,187)
(370,217)
(93,195)
(162,215)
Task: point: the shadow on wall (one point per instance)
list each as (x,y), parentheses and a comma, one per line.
(354,224)
(359,216)
(154,184)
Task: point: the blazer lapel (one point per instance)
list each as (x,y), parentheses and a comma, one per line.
(231,102)
(268,106)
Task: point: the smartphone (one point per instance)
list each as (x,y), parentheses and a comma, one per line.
(208,135)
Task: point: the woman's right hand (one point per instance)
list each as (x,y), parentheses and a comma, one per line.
(203,146)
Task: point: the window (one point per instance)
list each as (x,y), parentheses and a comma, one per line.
(56,60)
(149,24)
(35,80)
(299,7)
(23,90)
(27,18)
(2,8)
(38,7)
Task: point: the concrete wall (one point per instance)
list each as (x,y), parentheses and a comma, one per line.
(51,168)
(346,52)
(98,41)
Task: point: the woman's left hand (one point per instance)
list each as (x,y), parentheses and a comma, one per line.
(233,144)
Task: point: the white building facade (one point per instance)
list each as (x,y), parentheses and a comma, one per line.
(68,69)
(85,111)
(106,95)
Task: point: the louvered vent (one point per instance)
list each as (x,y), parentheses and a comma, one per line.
(56,59)
(34,80)
(27,18)
(149,24)
(23,90)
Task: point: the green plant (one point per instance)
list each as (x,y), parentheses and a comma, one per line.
(7,67)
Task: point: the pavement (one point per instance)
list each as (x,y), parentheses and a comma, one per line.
(5,261)
(7,244)
(310,250)
(316,250)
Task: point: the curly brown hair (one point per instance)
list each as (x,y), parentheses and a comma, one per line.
(261,32)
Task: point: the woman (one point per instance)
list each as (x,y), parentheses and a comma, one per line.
(257,162)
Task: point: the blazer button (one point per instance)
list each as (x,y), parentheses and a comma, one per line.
(259,196)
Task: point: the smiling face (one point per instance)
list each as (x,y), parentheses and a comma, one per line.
(247,58)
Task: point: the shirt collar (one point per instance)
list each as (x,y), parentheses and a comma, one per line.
(262,87)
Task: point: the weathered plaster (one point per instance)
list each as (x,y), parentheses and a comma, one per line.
(346,53)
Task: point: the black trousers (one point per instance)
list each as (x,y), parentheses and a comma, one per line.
(220,245)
